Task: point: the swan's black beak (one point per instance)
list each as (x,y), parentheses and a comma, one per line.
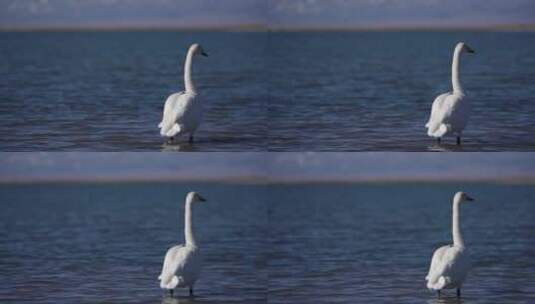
(202,199)
(468,198)
(204,54)
(469,50)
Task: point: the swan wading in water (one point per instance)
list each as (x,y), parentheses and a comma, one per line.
(182,264)
(450,264)
(450,111)
(182,113)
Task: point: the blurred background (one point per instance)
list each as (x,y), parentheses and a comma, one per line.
(273,14)
(267,167)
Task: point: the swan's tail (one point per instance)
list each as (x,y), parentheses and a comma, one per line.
(170,284)
(174,130)
(437,130)
(437,284)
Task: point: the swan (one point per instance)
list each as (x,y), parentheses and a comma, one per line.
(450,111)
(182,112)
(182,264)
(450,264)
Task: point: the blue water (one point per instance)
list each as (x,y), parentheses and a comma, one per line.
(373,91)
(105,243)
(373,243)
(332,91)
(106,91)
(322,243)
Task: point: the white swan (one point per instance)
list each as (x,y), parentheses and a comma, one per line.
(182,113)
(182,264)
(450,111)
(450,264)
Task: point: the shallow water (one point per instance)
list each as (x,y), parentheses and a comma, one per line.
(373,91)
(320,243)
(373,243)
(105,91)
(101,243)
(263,91)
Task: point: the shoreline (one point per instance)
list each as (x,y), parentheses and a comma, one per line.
(259,28)
(269,181)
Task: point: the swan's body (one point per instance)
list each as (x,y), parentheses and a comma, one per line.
(182,264)
(449,267)
(181,267)
(451,263)
(449,115)
(450,111)
(182,112)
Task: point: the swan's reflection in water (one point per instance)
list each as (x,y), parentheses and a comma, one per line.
(446,300)
(178,147)
(436,147)
(211,143)
(167,299)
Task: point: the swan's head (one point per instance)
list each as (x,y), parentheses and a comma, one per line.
(197,50)
(463,47)
(195,197)
(462,197)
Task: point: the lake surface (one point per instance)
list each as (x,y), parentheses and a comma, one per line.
(373,243)
(105,243)
(323,243)
(373,91)
(106,91)
(360,91)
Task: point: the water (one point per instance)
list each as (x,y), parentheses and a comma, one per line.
(105,91)
(373,91)
(105,243)
(263,91)
(373,243)
(323,243)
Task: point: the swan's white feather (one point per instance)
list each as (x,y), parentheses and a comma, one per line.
(168,106)
(449,115)
(449,267)
(182,114)
(181,267)
(450,111)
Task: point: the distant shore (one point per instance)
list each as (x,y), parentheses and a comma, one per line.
(273,180)
(430,28)
(264,28)
(127,28)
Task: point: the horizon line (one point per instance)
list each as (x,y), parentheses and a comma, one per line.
(263,180)
(258,27)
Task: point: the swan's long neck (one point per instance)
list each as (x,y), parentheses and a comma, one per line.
(455,78)
(188,82)
(188,225)
(456,227)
